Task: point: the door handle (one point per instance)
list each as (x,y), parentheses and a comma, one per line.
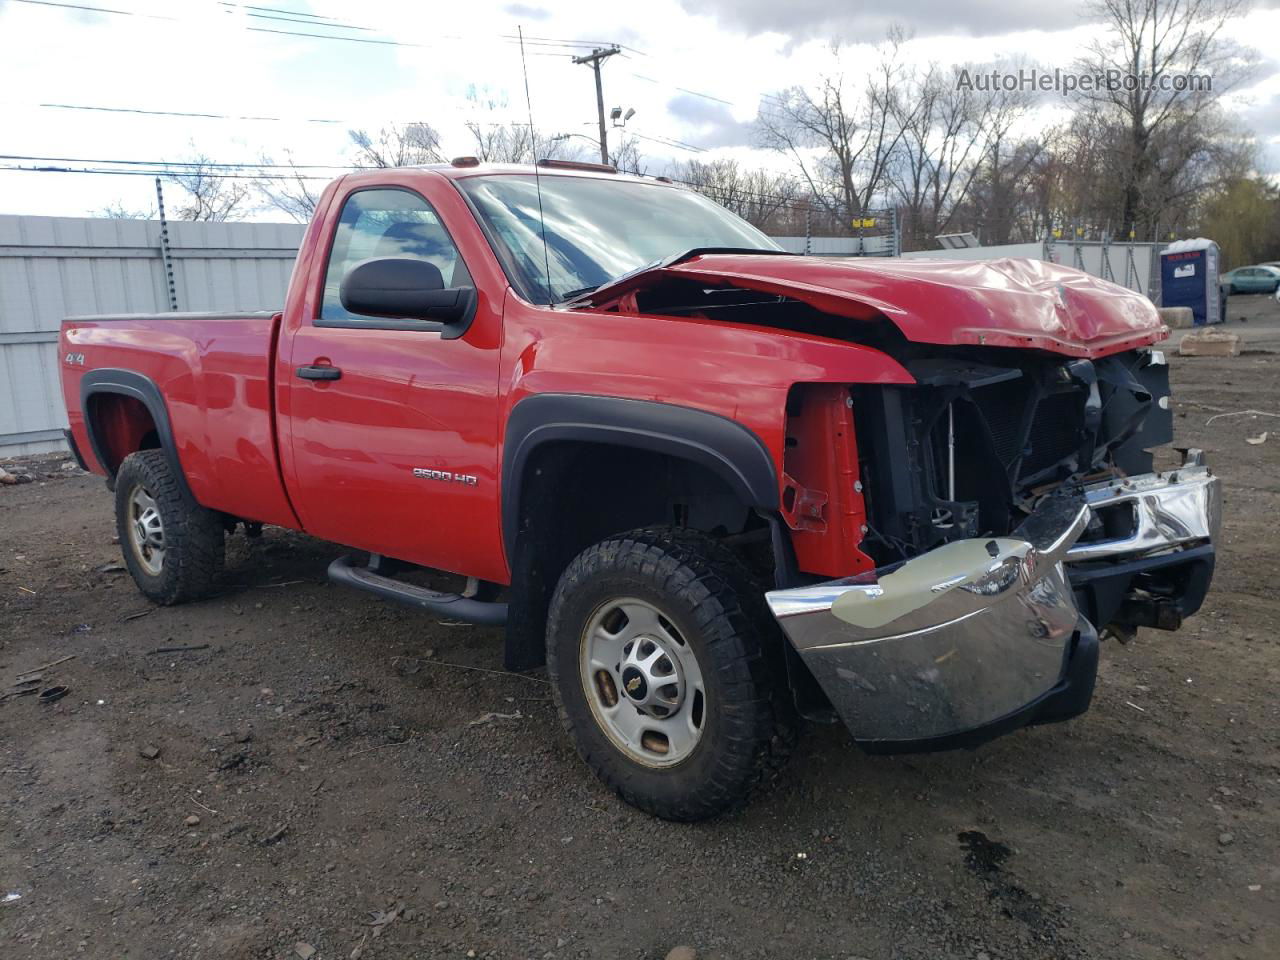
(317,372)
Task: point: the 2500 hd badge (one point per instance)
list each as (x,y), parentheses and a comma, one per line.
(445,475)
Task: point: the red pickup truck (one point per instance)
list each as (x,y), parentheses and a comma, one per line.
(712,486)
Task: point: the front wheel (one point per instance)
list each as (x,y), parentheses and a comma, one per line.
(667,674)
(172,546)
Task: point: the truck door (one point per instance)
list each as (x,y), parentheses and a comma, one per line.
(390,428)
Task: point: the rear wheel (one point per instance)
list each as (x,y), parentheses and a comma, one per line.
(172,546)
(659,649)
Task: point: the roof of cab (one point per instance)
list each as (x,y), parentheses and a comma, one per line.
(457,171)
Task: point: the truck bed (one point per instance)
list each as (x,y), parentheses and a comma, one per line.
(214,375)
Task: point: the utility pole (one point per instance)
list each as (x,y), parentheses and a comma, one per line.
(595,58)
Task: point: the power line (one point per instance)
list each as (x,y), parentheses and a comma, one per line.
(187,113)
(295,13)
(768,99)
(321,36)
(581,43)
(310,23)
(668,142)
(406,43)
(542,41)
(165,173)
(692,93)
(291,16)
(204,115)
(329,121)
(184,163)
(86,7)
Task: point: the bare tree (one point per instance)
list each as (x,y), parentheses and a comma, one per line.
(950,135)
(211,193)
(294,193)
(1074,179)
(626,156)
(395,145)
(852,127)
(501,142)
(1162,50)
(118,211)
(937,140)
(511,141)
(771,201)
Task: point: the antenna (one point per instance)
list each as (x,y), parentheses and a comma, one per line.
(537,180)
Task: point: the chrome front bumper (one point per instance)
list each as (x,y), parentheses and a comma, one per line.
(1156,512)
(977,632)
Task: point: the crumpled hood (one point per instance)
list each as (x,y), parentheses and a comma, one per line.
(1006,302)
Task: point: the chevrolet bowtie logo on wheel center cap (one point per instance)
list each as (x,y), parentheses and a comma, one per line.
(633,683)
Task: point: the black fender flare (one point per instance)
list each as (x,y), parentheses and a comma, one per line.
(727,448)
(143,389)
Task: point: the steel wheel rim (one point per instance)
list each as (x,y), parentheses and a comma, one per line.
(643,682)
(146,530)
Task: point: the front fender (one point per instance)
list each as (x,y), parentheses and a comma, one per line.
(726,448)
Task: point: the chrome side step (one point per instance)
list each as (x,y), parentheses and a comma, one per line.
(347,572)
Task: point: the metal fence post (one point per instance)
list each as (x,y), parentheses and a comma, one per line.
(164,248)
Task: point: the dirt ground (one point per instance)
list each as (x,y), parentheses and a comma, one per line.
(341,775)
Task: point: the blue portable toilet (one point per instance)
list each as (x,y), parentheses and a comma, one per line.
(1189,278)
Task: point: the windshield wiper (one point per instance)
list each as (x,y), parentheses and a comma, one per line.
(573,295)
(692,252)
(580,292)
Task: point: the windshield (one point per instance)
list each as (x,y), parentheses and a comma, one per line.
(597,229)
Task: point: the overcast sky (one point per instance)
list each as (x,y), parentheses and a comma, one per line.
(693,70)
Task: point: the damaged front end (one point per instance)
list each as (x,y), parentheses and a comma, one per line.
(956,645)
(1009,515)
(980,636)
(960,544)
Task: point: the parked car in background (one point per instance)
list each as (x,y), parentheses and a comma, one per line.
(711,485)
(1262,278)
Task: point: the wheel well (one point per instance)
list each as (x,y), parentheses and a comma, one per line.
(121,425)
(576,493)
(610,488)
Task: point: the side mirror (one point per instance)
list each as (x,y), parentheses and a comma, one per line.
(402,288)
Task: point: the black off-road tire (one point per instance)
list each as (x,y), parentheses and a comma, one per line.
(193,536)
(750,726)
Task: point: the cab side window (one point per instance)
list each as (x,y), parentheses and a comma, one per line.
(387,223)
